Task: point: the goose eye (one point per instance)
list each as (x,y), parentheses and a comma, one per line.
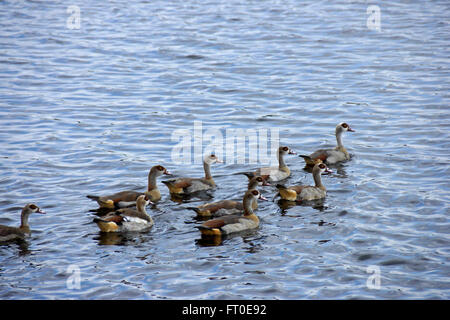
(259,179)
(33,207)
(322,166)
(285,149)
(255,192)
(213,156)
(160,168)
(344,125)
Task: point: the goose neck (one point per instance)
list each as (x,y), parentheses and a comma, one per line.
(207,168)
(318,179)
(281,163)
(24,220)
(152,181)
(248,210)
(339,139)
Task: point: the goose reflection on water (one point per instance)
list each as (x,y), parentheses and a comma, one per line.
(22,245)
(121,238)
(247,236)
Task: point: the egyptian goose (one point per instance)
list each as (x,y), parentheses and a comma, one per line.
(274,173)
(128,198)
(331,156)
(14,233)
(127,219)
(299,193)
(184,186)
(234,223)
(224,207)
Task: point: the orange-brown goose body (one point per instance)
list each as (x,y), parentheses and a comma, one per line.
(331,156)
(274,173)
(224,207)
(127,219)
(234,223)
(185,186)
(128,198)
(307,193)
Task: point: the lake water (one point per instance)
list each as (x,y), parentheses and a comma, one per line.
(90,110)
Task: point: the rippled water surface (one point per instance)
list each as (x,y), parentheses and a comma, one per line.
(90,110)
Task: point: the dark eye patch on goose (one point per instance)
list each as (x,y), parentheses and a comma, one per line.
(160,168)
(345,125)
(255,192)
(259,179)
(213,156)
(321,166)
(33,206)
(285,148)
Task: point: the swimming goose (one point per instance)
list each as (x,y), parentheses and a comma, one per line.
(224,207)
(127,219)
(12,233)
(331,156)
(274,173)
(184,186)
(128,198)
(299,193)
(234,223)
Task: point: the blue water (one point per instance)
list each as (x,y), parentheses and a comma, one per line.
(90,110)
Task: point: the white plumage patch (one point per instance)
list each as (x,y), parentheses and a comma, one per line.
(124,204)
(224,211)
(274,173)
(336,156)
(135,224)
(312,193)
(243,224)
(198,185)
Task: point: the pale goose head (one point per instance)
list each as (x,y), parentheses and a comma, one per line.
(343,127)
(285,150)
(321,168)
(257,182)
(143,201)
(159,171)
(251,195)
(211,159)
(31,208)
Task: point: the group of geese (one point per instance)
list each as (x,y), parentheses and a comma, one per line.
(125,210)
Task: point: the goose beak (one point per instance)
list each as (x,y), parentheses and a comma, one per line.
(148,201)
(328,171)
(350,129)
(261,197)
(292,152)
(41,211)
(265,183)
(219,161)
(166,172)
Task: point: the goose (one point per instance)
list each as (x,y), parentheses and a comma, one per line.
(274,173)
(224,207)
(331,156)
(14,233)
(234,223)
(127,219)
(128,198)
(299,193)
(184,186)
